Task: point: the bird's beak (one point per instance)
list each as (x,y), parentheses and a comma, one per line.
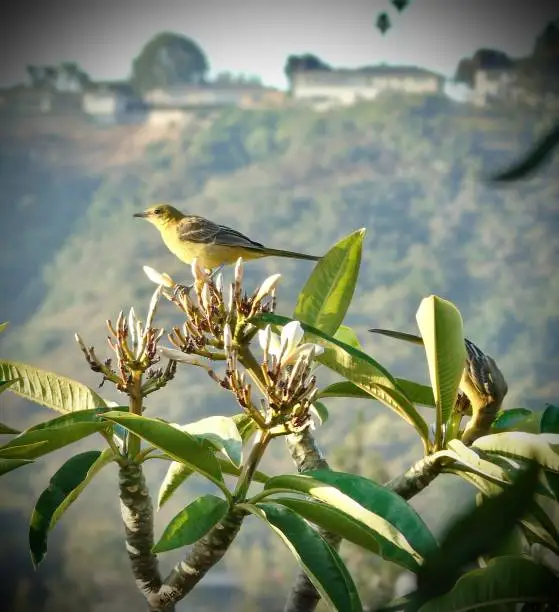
(141,215)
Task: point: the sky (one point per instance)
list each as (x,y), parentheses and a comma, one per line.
(255,37)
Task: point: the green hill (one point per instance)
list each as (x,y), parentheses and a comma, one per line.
(408,169)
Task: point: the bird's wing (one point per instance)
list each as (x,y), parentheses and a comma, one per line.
(198,229)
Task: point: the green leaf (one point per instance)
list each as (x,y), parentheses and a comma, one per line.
(245,426)
(400,532)
(440,325)
(320,562)
(6,429)
(3,326)
(416,392)
(476,533)
(179,445)
(470,458)
(175,476)
(54,434)
(332,520)
(61,492)
(221,432)
(413,338)
(505,580)
(321,411)
(550,420)
(550,424)
(192,523)
(327,294)
(7,465)
(360,369)
(48,389)
(347,335)
(541,448)
(516,419)
(106,457)
(6,384)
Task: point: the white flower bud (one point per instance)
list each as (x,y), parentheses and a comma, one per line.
(219,282)
(266,288)
(205,296)
(157,278)
(239,271)
(227,338)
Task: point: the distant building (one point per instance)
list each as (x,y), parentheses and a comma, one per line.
(113,102)
(209,95)
(347,87)
(517,85)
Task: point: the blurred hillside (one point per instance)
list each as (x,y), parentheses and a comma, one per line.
(409,169)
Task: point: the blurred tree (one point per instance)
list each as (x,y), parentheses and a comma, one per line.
(304,62)
(168,59)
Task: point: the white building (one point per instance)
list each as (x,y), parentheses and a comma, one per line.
(347,87)
(205,95)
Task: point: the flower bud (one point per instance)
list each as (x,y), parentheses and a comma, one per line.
(239,272)
(157,278)
(227,338)
(266,288)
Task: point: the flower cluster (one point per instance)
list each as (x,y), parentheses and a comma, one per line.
(208,311)
(285,376)
(136,349)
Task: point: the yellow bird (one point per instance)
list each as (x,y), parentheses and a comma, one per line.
(190,236)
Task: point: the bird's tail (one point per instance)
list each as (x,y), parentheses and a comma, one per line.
(279,253)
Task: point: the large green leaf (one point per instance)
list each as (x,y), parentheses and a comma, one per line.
(416,392)
(320,562)
(49,389)
(347,335)
(106,457)
(53,434)
(63,489)
(6,384)
(7,465)
(179,445)
(550,420)
(6,429)
(550,424)
(245,426)
(402,535)
(327,294)
(516,419)
(505,580)
(471,459)
(541,448)
(333,520)
(440,325)
(192,522)
(359,368)
(176,474)
(221,432)
(478,532)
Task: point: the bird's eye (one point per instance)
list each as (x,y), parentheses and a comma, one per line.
(157,211)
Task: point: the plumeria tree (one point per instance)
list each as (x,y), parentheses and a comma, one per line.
(268,364)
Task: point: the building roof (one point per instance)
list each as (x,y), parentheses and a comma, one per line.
(348,74)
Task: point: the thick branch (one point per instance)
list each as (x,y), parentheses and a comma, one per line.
(303,596)
(137,513)
(418,477)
